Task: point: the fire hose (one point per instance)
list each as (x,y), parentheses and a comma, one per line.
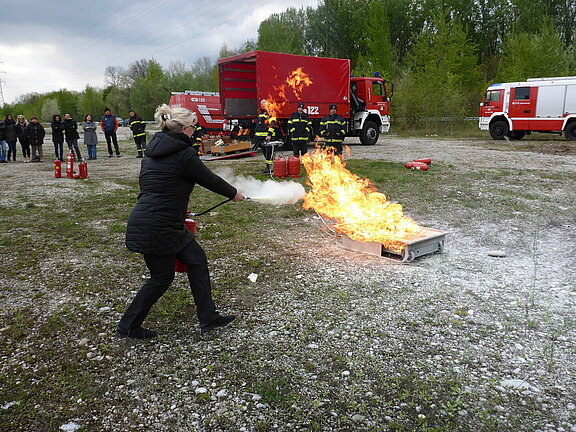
(261,199)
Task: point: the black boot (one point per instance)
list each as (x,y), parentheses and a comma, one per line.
(219,321)
(137,333)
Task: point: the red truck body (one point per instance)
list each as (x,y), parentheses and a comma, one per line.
(286,79)
(206,105)
(512,110)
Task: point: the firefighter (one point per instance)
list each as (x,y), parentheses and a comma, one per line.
(138,126)
(197,138)
(261,128)
(332,128)
(273,135)
(299,129)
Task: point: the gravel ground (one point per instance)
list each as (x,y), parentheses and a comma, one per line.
(333,340)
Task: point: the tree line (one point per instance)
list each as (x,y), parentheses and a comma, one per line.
(440,54)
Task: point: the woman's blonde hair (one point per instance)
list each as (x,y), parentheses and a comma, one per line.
(174,118)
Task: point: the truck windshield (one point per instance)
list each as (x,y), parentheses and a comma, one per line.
(492,96)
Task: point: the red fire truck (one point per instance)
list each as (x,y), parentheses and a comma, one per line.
(284,80)
(512,110)
(206,105)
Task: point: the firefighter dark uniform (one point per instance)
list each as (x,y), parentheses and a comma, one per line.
(273,134)
(332,129)
(299,128)
(260,130)
(138,126)
(197,138)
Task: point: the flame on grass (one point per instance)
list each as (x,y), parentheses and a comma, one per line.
(352,204)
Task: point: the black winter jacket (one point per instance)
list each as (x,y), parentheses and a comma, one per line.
(170,169)
(35,133)
(21,132)
(57,130)
(11,135)
(71,129)
(2,131)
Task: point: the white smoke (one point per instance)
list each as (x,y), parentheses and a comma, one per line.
(268,191)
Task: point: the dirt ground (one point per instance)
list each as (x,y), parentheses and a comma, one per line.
(505,326)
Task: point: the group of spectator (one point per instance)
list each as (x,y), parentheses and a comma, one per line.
(31,136)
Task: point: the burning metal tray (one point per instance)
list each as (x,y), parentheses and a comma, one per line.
(430,241)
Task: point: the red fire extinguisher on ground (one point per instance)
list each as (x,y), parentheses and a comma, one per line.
(293,166)
(83,168)
(70,165)
(420,166)
(280,167)
(191,225)
(57,168)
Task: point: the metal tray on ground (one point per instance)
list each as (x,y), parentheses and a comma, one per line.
(430,241)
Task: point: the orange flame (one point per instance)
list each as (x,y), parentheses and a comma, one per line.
(297,80)
(357,210)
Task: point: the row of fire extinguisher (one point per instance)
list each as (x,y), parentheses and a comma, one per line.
(419,164)
(290,167)
(70,173)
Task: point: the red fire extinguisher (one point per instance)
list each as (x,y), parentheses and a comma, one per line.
(70,165)
(421,166)
(83,168)
(280,167)
(191,225)
(427,161)
(57,168)
(293,166)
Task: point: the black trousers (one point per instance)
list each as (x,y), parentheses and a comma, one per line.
(140,142)
(161,276)
(299,147)
(111,138)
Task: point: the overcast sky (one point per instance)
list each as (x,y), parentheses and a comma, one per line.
(49,45)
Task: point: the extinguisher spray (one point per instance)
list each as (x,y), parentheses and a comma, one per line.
(57,168)
(70,165)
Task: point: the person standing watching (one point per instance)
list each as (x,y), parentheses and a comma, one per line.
(109,125)
(11,136)
(71,133)
(21,133)
(90,137)
(137,126)
(332,128)
(261,132)
(35,133)
(2,141)
(169,171)
(299,129)
(197,138)
(58,136)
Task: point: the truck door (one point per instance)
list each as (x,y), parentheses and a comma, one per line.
(522,107)
(492,103)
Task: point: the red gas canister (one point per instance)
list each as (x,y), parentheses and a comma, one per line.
(280,167)
(191,225)
(70,165)
(57,168)
(293,166)
(83,168)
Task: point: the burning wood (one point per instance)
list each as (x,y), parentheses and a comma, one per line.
(353,205)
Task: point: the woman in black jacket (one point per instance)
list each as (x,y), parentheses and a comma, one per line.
(170,169)
(58,136)
(71,132)
(11,136)
(21,124)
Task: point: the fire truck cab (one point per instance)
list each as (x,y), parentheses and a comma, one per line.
(512,110)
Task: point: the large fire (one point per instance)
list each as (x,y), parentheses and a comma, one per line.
(353,204)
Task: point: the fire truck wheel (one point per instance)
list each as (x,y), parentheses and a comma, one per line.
(499,130)
(570,131)
(517,135)
(369,134)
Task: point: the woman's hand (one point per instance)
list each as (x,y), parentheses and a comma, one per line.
(238,197)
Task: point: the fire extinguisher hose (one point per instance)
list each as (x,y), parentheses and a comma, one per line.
(211,208)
